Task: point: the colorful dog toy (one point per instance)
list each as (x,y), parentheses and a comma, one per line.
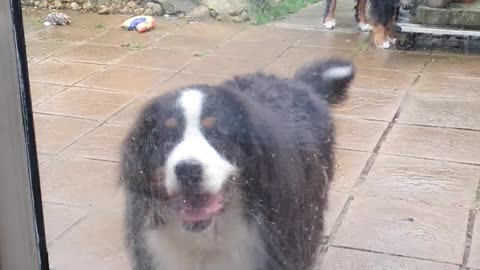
(139,23)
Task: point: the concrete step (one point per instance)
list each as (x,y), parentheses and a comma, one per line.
(456,15)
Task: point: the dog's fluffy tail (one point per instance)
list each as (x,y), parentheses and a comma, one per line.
(330,78)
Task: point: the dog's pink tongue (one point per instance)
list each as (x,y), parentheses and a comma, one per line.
(199,214)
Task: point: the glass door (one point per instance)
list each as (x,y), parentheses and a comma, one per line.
(22,244)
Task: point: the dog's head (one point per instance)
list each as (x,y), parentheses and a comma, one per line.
(186,151)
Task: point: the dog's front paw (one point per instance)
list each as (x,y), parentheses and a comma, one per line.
(405,4)
(329,24)
(392,40)
(385,45)
(364,27)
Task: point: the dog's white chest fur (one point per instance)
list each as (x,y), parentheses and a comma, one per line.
(231,243)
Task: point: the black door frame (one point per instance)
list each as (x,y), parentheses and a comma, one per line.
(22,233)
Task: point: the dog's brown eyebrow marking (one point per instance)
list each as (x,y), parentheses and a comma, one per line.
(159,174)
(209,122)
(171,123)
(158,184)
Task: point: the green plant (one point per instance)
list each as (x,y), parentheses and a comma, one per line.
(264,11)
(99,26)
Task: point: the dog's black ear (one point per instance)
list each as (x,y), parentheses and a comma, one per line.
(136,150)
(330,79)
(132,162)
(135,173)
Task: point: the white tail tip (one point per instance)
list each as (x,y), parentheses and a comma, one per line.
(338,72)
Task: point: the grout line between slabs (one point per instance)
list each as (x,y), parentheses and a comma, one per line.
(104,66)
(388,129)
(393,254)
(105,120)
(425,158)
(468,238)
(68,229)
(472,216)
(195,59)
(371,160)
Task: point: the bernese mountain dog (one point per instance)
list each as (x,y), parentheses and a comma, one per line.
(233,176)
(360,15)
(383,15)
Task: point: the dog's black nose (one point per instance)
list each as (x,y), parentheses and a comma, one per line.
(189,173)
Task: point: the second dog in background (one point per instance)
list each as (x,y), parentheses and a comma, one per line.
(384,14)
(382,17)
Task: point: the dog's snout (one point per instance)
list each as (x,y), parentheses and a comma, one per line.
(188,173)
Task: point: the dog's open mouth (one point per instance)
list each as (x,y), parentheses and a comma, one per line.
(198,215)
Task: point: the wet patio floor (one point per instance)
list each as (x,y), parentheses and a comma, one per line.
(406,193)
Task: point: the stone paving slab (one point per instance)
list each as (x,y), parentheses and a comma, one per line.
(404,228)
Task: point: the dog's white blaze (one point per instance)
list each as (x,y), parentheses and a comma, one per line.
(194,146)
(338,72)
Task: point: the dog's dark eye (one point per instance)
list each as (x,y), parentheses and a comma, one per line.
(225,130)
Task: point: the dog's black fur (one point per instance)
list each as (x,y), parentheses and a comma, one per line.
(278,132)
(383,10)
